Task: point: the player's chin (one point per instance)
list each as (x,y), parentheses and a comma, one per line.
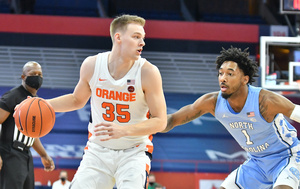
(137,56)
(226,95)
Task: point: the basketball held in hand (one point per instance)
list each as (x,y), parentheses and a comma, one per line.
(34,117)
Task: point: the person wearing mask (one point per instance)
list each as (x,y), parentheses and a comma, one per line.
(152,181)
(63,182)
(16,163)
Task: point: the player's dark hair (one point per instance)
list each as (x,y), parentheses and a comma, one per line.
(246,64)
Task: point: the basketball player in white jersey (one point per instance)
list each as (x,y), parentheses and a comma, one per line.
(123,88)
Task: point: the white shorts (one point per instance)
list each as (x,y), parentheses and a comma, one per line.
(253,176)
(101,168)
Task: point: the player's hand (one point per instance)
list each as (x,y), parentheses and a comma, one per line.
(109,131)
(16,107)
(48,163)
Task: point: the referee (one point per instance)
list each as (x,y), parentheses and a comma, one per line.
(16,163)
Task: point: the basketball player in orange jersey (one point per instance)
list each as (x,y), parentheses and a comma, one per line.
(16,164)
(123,87)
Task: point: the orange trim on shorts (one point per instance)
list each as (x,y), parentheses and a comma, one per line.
(147,168)
(90,134)
(86,147)
(148,171)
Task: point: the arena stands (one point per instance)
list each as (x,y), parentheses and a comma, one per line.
(183,47)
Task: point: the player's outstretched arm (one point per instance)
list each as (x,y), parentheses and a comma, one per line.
(81,93)
(204,104)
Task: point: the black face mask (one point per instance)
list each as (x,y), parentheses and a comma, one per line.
(34,81)
(63,179)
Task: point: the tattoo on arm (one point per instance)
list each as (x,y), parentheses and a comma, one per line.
(188,119)
(263,107)
(212,102)
(169,124)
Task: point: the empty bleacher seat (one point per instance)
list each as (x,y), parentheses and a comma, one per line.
(154,9)
(224,18)
(4,7)
(67,7)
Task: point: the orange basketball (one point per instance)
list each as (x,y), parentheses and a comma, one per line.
(34,117)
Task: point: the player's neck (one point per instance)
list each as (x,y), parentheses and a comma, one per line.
(238,99)
(30,89)
(118,67)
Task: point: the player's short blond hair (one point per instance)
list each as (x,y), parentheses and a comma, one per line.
(120,23)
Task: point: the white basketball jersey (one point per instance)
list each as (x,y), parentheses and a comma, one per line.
(120,101)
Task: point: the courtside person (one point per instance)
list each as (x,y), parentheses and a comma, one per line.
(16,164)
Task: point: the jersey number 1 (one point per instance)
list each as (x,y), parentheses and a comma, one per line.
(248,142)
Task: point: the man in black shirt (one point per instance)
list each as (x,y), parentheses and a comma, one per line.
(16,163)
